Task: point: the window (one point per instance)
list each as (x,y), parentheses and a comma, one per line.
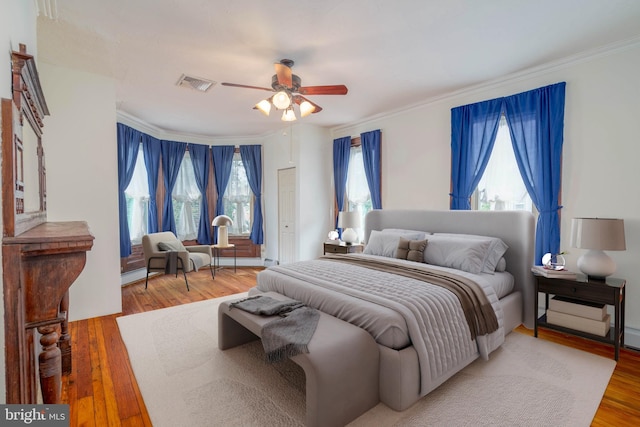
(501,186)
(186,201)
(358,195)
(137,196)
(238,199)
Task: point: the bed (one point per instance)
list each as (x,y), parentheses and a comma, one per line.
(423,333)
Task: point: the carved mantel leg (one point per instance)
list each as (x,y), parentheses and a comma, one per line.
(65,338)
(50,365)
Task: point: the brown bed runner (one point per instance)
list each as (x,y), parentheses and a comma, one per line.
(477,309)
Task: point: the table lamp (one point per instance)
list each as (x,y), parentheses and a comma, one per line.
(597,235)
(222,222)
(348,221)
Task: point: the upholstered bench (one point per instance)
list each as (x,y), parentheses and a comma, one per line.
(341,368)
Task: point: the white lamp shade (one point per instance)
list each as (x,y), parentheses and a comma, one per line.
(605,234)
(281,100)
(306,108)
(222,220)
(288,115)
(348,221)
(264,106)
(597,235)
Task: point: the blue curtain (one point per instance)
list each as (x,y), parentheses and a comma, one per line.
(128,146)
(341,147)
(151,150)
(252,160)
(222,156)
(172,154)
(473,133)
(536,124)
(200,159)
(371,157)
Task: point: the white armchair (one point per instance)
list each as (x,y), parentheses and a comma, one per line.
(164,252)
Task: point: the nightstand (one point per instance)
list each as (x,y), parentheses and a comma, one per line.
(342,248)
(609,292)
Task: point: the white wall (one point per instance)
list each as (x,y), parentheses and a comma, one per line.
(314,191)
(17,25)
(601,151)
(82,179)
(307,148)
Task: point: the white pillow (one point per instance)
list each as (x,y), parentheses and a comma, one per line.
(456,252)
(385,243)
(502,265)
(496,251)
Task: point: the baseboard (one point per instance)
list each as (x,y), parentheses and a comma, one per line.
(632,338)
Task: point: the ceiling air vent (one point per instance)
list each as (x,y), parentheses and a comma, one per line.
(196,83)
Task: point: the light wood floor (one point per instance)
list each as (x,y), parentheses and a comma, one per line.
(102,391)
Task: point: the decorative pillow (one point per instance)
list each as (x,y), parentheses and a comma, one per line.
(497,248)
(172,246)
(386,243)
(455,252)
(405,232)
(411,250)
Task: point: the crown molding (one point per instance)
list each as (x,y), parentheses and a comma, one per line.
(569,61)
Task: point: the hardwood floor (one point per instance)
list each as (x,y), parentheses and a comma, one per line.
(102,391)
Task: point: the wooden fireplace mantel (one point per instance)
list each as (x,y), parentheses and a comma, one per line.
(39,267)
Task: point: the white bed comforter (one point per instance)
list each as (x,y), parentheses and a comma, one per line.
(434,318)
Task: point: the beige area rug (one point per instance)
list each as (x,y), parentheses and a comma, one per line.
(187,381)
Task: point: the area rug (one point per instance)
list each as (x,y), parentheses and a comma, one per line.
(186,380)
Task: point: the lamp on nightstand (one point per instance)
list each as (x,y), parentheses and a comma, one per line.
(222,222)
(348,221)
(597,235)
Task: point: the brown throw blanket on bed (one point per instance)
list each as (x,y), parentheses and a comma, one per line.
(285,337)
(477,309)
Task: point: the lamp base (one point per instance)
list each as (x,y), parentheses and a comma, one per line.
(596,264)
(223,235)
(349,236)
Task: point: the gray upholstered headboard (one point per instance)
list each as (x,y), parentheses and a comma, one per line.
(515,228)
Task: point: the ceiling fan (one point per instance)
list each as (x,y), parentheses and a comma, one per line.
(289,91)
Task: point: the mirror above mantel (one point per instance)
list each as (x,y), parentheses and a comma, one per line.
(24,175)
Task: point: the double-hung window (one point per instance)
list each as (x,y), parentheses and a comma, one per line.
(501,186)
(357,193)
(137,196)
(186,201)
(238,199)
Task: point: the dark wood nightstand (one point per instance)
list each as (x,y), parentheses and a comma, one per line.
(342,248)
(609,292)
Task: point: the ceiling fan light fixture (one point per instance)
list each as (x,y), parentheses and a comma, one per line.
(281,100)
(289,115)
(264,106)
(306,108)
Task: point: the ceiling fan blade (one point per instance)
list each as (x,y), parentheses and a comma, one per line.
(324,90)
(299,99)
(246,86)
(284,74)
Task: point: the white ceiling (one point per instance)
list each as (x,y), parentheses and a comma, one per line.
(390,54)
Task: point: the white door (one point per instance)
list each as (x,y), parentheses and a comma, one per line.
(287,215)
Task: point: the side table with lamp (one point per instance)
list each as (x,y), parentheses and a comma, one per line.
(594,286)
(222,222)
